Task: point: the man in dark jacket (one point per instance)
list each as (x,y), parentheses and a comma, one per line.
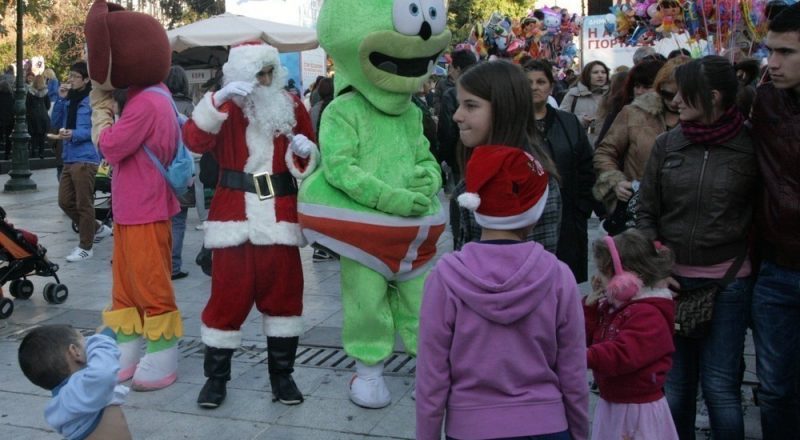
(776,296)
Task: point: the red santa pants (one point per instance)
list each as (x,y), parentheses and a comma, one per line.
(269,276)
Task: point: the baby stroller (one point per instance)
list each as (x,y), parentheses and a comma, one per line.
(20,257)
(102,196)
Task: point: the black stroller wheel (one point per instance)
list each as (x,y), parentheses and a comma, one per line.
(75,227)
(22,289)
(55,293)
(6,308)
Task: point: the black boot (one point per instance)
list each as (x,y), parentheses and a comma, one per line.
(280,360)
(217,367)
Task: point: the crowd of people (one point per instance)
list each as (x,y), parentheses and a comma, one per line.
(690,164)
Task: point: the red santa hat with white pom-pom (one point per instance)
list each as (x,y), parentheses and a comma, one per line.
(506,187)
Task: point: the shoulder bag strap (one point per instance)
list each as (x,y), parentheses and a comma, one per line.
(734,269)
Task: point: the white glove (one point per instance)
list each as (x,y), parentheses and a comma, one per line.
(301,146)
(232,89)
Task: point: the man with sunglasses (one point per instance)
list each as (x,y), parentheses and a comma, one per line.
(262,138)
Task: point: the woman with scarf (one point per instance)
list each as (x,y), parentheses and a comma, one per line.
(583,99)
(562,137)
(72,116)
(697,199)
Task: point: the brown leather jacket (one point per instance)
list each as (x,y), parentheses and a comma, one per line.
(776,132)
(698,199)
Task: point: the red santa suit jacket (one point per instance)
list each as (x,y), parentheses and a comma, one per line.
(237,216)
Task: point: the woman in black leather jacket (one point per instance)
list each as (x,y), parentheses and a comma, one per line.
(697,198)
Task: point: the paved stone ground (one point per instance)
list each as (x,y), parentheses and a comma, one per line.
(322,373)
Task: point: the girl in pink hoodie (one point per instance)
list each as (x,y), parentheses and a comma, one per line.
(501,351)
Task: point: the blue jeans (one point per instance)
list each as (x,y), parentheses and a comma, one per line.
(178,230)
(715,360)
(555,436)
(776,332)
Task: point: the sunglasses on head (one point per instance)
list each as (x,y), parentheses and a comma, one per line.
(669,96)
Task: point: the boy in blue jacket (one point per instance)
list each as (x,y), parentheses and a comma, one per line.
(82,374)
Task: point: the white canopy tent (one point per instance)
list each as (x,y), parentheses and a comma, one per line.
(231,29)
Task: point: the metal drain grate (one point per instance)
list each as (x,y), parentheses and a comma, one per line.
(331,358)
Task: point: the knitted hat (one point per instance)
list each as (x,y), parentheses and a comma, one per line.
(506,187)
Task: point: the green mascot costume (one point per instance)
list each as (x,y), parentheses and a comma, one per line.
(374,199)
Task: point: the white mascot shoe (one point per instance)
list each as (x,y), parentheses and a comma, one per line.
(156,370)
(130,353)
(367,388)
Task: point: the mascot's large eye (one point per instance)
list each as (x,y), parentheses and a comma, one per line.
(407,16)
(435,15)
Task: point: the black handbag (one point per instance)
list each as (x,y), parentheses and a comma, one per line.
(694,308)
(623,217)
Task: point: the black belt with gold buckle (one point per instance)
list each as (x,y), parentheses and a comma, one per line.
(265,185)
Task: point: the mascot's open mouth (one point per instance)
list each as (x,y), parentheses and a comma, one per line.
(408,67)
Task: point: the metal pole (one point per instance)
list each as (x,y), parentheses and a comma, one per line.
(580,37)
(20,168)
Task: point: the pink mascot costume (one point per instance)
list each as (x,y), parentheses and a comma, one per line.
(130,50)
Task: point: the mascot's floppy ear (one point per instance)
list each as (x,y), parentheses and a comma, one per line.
(125,48)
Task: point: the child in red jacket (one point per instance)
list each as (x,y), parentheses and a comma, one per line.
(629,322)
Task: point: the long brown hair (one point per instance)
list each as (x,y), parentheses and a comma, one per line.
(507,88)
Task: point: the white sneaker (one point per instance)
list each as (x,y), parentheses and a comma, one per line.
(102,233)
(367,388)
(79,254)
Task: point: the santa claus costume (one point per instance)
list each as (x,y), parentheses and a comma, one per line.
(260,136)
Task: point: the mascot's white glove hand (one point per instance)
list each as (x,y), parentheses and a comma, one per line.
(232,89)
(301,146)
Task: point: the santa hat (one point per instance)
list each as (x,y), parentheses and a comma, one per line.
(247,59)
(506,187)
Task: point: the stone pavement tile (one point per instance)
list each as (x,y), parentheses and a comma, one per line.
(24,433)
(82,319)
(188,426)
(400,423)
(256,378)
(31,312)
(147,421)
(334,415)
(334,320)
(338,387)
(239,405)
(324,335)
(23,410)
(161,399)
(277,432)
(190,370)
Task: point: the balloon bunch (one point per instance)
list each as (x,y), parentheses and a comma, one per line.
(726,23)
(548,32)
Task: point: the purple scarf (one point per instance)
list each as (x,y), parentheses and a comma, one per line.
(724,129)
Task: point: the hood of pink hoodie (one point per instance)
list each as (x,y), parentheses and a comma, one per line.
(498,283)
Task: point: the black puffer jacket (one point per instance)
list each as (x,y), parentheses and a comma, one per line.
(698,199)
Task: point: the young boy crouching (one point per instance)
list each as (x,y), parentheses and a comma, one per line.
(82,374)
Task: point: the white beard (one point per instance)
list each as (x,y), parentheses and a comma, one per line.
(270,109)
